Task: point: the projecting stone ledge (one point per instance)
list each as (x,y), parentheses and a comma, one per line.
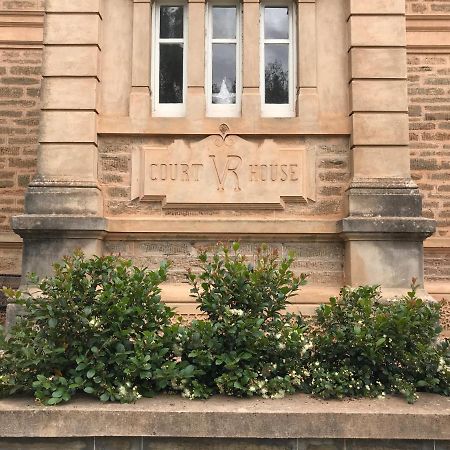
(295,417)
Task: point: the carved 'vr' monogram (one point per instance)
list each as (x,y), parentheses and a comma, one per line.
(231,166)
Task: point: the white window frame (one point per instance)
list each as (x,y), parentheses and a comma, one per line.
(168,109)
(217,110)
(288,109)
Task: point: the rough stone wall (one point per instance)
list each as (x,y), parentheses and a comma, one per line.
(19,121)
(429,111)
(323,261)
(427,6)
(22,5)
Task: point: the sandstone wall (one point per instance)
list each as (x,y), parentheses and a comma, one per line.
(20,79)
(429,90)
(428,29)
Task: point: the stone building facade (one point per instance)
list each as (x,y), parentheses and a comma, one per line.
(328,174)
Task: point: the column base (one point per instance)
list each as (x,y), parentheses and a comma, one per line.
(47,239)
(387,251)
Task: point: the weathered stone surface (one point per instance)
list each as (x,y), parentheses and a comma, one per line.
(296,416)
(219,444)
(47,444)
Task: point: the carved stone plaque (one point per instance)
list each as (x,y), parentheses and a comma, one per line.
(225,171)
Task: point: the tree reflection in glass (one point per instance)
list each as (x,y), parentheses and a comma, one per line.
(276,73)
(171,49)
(171,22)
(171,73)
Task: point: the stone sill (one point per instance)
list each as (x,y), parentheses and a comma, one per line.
(297,416)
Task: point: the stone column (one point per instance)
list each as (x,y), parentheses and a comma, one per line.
(384,230)
(63,204)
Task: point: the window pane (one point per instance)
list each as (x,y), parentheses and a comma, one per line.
(171,73)
(171,22)
(224,22)
(276,22)
(276,73)
(224,73)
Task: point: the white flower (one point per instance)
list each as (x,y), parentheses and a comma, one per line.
(281,346)
(237,312)
(277,336)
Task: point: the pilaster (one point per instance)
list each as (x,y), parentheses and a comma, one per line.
(65,190)
(196,60)
(251,100)
(140,96)
(384,229)
(307,94)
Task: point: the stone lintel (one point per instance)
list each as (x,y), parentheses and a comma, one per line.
(296,416)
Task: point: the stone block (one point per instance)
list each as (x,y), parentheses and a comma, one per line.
(63,200)
(378,95)
(385,202)
(69,93)
(390,263)
(71,6)
(78,61)
(381,162)
(371,444)
(67,29)
(219,444)
(321,444)
(380,129)
(377,7)
(47,444)
(68,126)
(372,31)
(378,63)
(118,443)
(71,161)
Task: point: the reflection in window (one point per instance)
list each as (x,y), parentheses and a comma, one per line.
(223,60)
(277,60)
(170,59)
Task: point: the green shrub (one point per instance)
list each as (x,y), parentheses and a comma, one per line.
(365,348)
(97,326)
(246,346)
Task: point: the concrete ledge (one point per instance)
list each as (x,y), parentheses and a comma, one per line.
(297,416)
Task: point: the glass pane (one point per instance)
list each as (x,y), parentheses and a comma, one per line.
(276,22)
(224,22)
(171,22)
(276,73)
(171,73)
(224,73)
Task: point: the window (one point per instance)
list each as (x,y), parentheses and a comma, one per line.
(277,60)
(223,57)
(169,60)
